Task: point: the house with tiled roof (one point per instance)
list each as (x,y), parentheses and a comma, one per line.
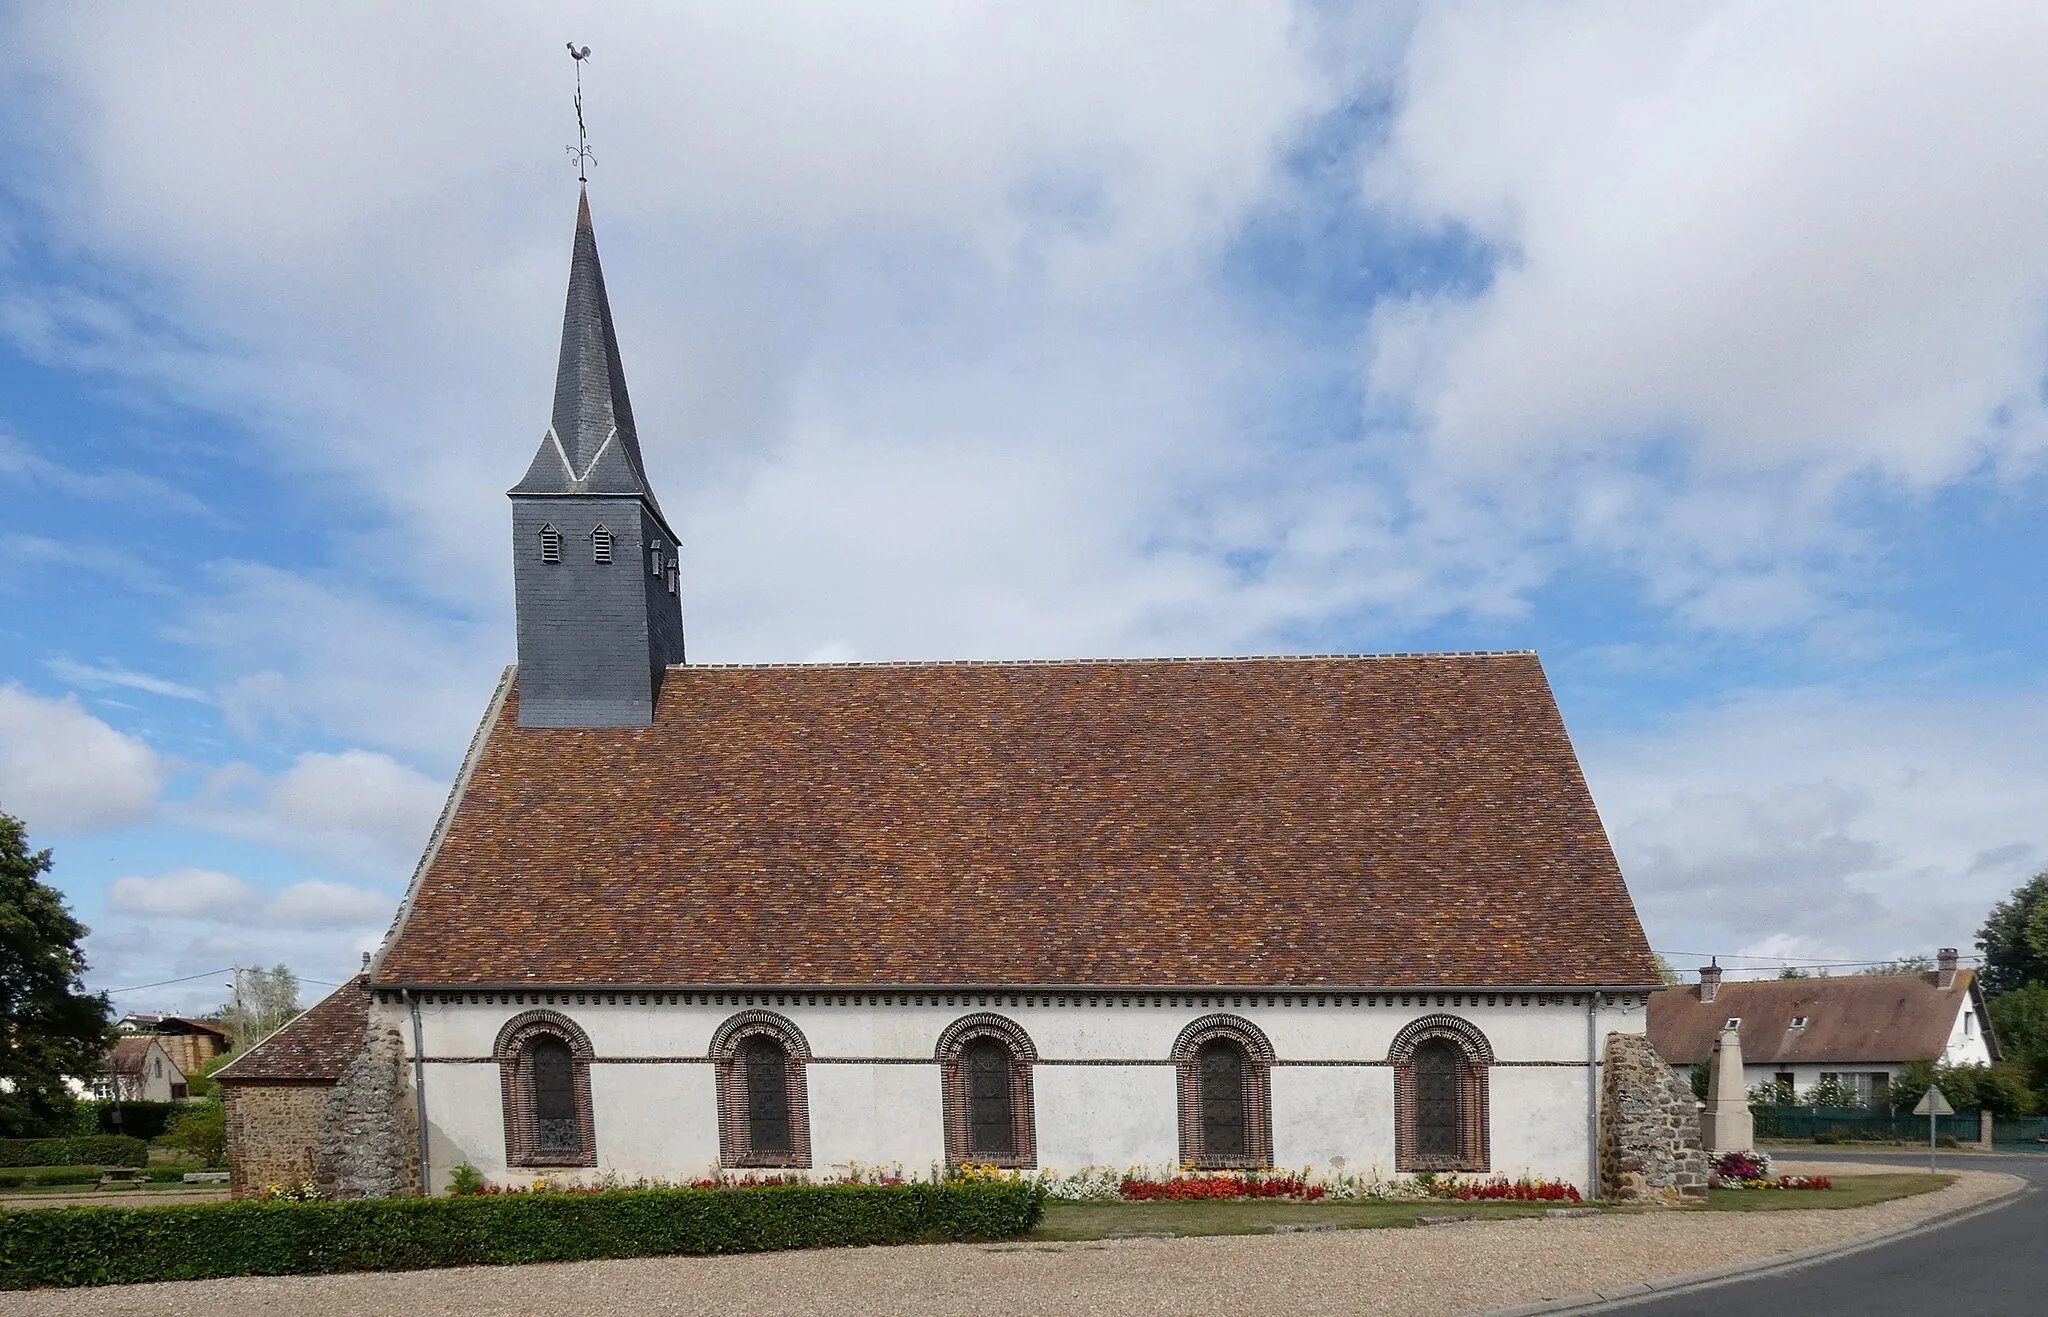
(1232,912)
(138,1069)
(1860,1031)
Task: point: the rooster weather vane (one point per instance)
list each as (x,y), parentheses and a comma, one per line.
(580,152)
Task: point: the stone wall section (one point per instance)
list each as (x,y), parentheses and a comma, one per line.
(369,1130)
(1650,1149)
(273,1134)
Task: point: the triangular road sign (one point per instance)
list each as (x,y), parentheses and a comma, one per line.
(1932,1103)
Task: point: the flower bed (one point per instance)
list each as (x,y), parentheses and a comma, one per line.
(1752,1170)
(1500,1189)
(1135,1189)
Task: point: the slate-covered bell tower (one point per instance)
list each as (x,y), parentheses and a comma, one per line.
(594,561)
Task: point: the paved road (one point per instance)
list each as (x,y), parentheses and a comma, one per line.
(1995,1265)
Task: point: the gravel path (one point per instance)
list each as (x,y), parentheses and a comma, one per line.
(1429,1272)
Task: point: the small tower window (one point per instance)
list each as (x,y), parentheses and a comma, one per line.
(601,546)
(550,544)
(654,559)
(672,578)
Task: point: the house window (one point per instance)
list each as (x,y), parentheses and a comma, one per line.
(985,1065)
(550,544)
(1734,1022)
(1224,1067)
(544,1080)
(1799,1022)
(1785,1080)
(601,547)
(763,1107)
(1440,1095)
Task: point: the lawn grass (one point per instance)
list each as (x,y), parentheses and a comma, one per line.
(1077,1221)
(1848,1191)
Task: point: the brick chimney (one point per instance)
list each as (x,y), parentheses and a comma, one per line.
(1710,982)
(1945,968)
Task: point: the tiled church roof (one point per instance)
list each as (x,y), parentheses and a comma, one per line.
(315,1047)
(1885,1017)
(1370,821)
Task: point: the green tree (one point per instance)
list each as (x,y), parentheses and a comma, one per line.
(2014,938)
(50,1027)
(265,1001)
(201,1129)
(1903,965)
(1668,975)
(2019,1020)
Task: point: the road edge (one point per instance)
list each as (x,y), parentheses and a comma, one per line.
(1664,1286)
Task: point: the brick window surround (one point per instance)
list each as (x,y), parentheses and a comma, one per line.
(515,1083)
(1258,1092)
(953,1044)
(1474,1149)
(727,1047)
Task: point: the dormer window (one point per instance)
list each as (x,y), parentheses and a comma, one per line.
(654,559)
(1734,1022)
(672,574)
(1799,1022)
(601,547)
(550,544)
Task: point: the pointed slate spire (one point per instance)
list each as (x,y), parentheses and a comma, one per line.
(591,447)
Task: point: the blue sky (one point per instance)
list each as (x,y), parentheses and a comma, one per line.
(1701,351)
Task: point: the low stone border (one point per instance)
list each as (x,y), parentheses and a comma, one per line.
(1625,1295)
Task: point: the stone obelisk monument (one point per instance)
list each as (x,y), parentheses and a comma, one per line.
(1726,1126)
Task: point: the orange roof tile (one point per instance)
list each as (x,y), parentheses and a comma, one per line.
(1351,821)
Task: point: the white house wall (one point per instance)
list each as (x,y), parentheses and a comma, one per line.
(874,1085)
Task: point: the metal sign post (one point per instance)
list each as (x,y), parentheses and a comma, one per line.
(1932,1104)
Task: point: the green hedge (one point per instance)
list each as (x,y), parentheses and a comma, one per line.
(119,1245)
(141,1120)
(82,1150)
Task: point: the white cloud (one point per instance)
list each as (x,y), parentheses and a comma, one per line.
(298,653)
(1858,827)
(64,771)
(208,896)
(185,894)
(357,808)
(1746,252)
(87,675)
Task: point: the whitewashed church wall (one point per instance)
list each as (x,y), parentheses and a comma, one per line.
(1539,1122)
(658,1116)
(876,1115)
(652,1116)
(1106,1116)
(1322,1113)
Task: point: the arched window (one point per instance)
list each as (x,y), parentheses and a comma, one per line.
(1440,1095)
(763,1110)
(544,1078)
(1224,1064)
(601,546)
(985,1065)
(766,1063)
(550,544)
(1220,1068)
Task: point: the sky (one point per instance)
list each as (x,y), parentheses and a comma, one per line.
(1702,349)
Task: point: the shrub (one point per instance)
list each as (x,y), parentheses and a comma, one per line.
(201,1129)
(84,1150)
(140,1120)
(115,1245)
(1281,1185)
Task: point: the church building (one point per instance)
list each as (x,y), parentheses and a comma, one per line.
(1355,911)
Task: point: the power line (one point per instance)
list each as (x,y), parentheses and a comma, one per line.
(226,969)
(1788,962)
